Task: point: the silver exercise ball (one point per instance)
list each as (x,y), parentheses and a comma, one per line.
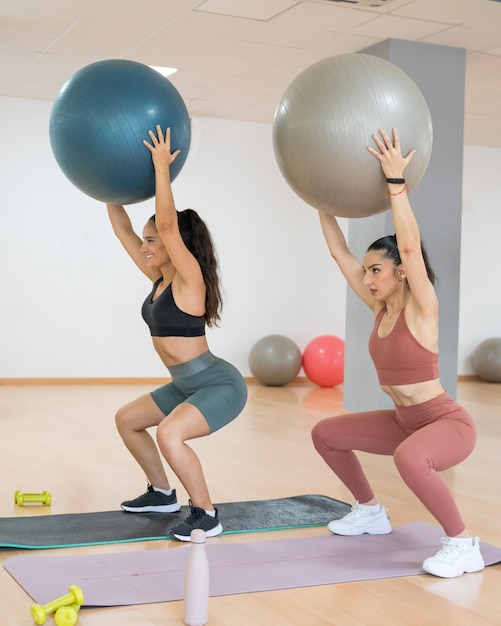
(275,360)
(325,122)
(486,360)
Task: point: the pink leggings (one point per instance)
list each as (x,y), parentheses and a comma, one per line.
(424,439)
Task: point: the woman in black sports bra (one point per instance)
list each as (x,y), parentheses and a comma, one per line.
(206,392)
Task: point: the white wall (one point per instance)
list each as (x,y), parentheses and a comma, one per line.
(480,295)
(70,297)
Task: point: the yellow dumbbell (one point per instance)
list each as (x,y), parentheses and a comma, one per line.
(74,596)
(44,497)
(67,615)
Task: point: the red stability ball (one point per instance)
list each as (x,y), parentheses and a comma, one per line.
(323,361)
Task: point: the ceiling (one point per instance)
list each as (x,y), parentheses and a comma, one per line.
(235,58)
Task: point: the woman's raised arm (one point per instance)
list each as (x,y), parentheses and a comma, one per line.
(122,227)
(393,164)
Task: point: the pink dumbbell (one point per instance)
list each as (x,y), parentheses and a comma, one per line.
(74,596)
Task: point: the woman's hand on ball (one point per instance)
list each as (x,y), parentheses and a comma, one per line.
(160,147)
(390,154)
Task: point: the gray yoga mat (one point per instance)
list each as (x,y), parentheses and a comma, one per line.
(85,529)
(150,576)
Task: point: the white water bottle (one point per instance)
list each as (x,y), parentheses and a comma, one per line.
(196,582)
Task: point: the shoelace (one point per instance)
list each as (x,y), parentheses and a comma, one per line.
(356,510)
(450,547)
(195,514)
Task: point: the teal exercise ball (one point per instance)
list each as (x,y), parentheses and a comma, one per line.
(98,122)
(275,360)
(324,123)
(486,360)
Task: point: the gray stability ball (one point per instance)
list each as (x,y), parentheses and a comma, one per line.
(486,360)
(325,122)
(275,360)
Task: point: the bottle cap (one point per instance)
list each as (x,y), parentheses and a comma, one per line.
(197,536)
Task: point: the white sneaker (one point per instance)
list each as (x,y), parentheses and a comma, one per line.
(362,520)
(456,557)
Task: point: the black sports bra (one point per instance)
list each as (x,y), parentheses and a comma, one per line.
(166,319)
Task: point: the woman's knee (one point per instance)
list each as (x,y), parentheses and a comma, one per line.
(316,434)
(122,418)
(412,462)
(165,431)
(436,447)
(186,422)
(322,434)
(170,437)
(138,415)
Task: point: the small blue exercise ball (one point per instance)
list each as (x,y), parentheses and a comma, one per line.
(99,120)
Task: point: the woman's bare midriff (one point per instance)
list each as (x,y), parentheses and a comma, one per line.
(409,395)
(176,350)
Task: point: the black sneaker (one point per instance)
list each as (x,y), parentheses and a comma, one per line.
(152,502)
(198,518)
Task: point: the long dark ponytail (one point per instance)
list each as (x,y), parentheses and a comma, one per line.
(198,240)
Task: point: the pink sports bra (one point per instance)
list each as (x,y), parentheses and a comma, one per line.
(399,358)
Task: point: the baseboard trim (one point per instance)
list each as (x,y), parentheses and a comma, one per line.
(113,381)
(83,381)
(250,380)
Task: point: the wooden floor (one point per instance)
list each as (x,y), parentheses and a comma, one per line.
(62,439)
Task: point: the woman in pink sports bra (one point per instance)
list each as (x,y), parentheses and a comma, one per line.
(426,432)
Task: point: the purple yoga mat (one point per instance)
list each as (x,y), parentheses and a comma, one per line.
(149,576)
